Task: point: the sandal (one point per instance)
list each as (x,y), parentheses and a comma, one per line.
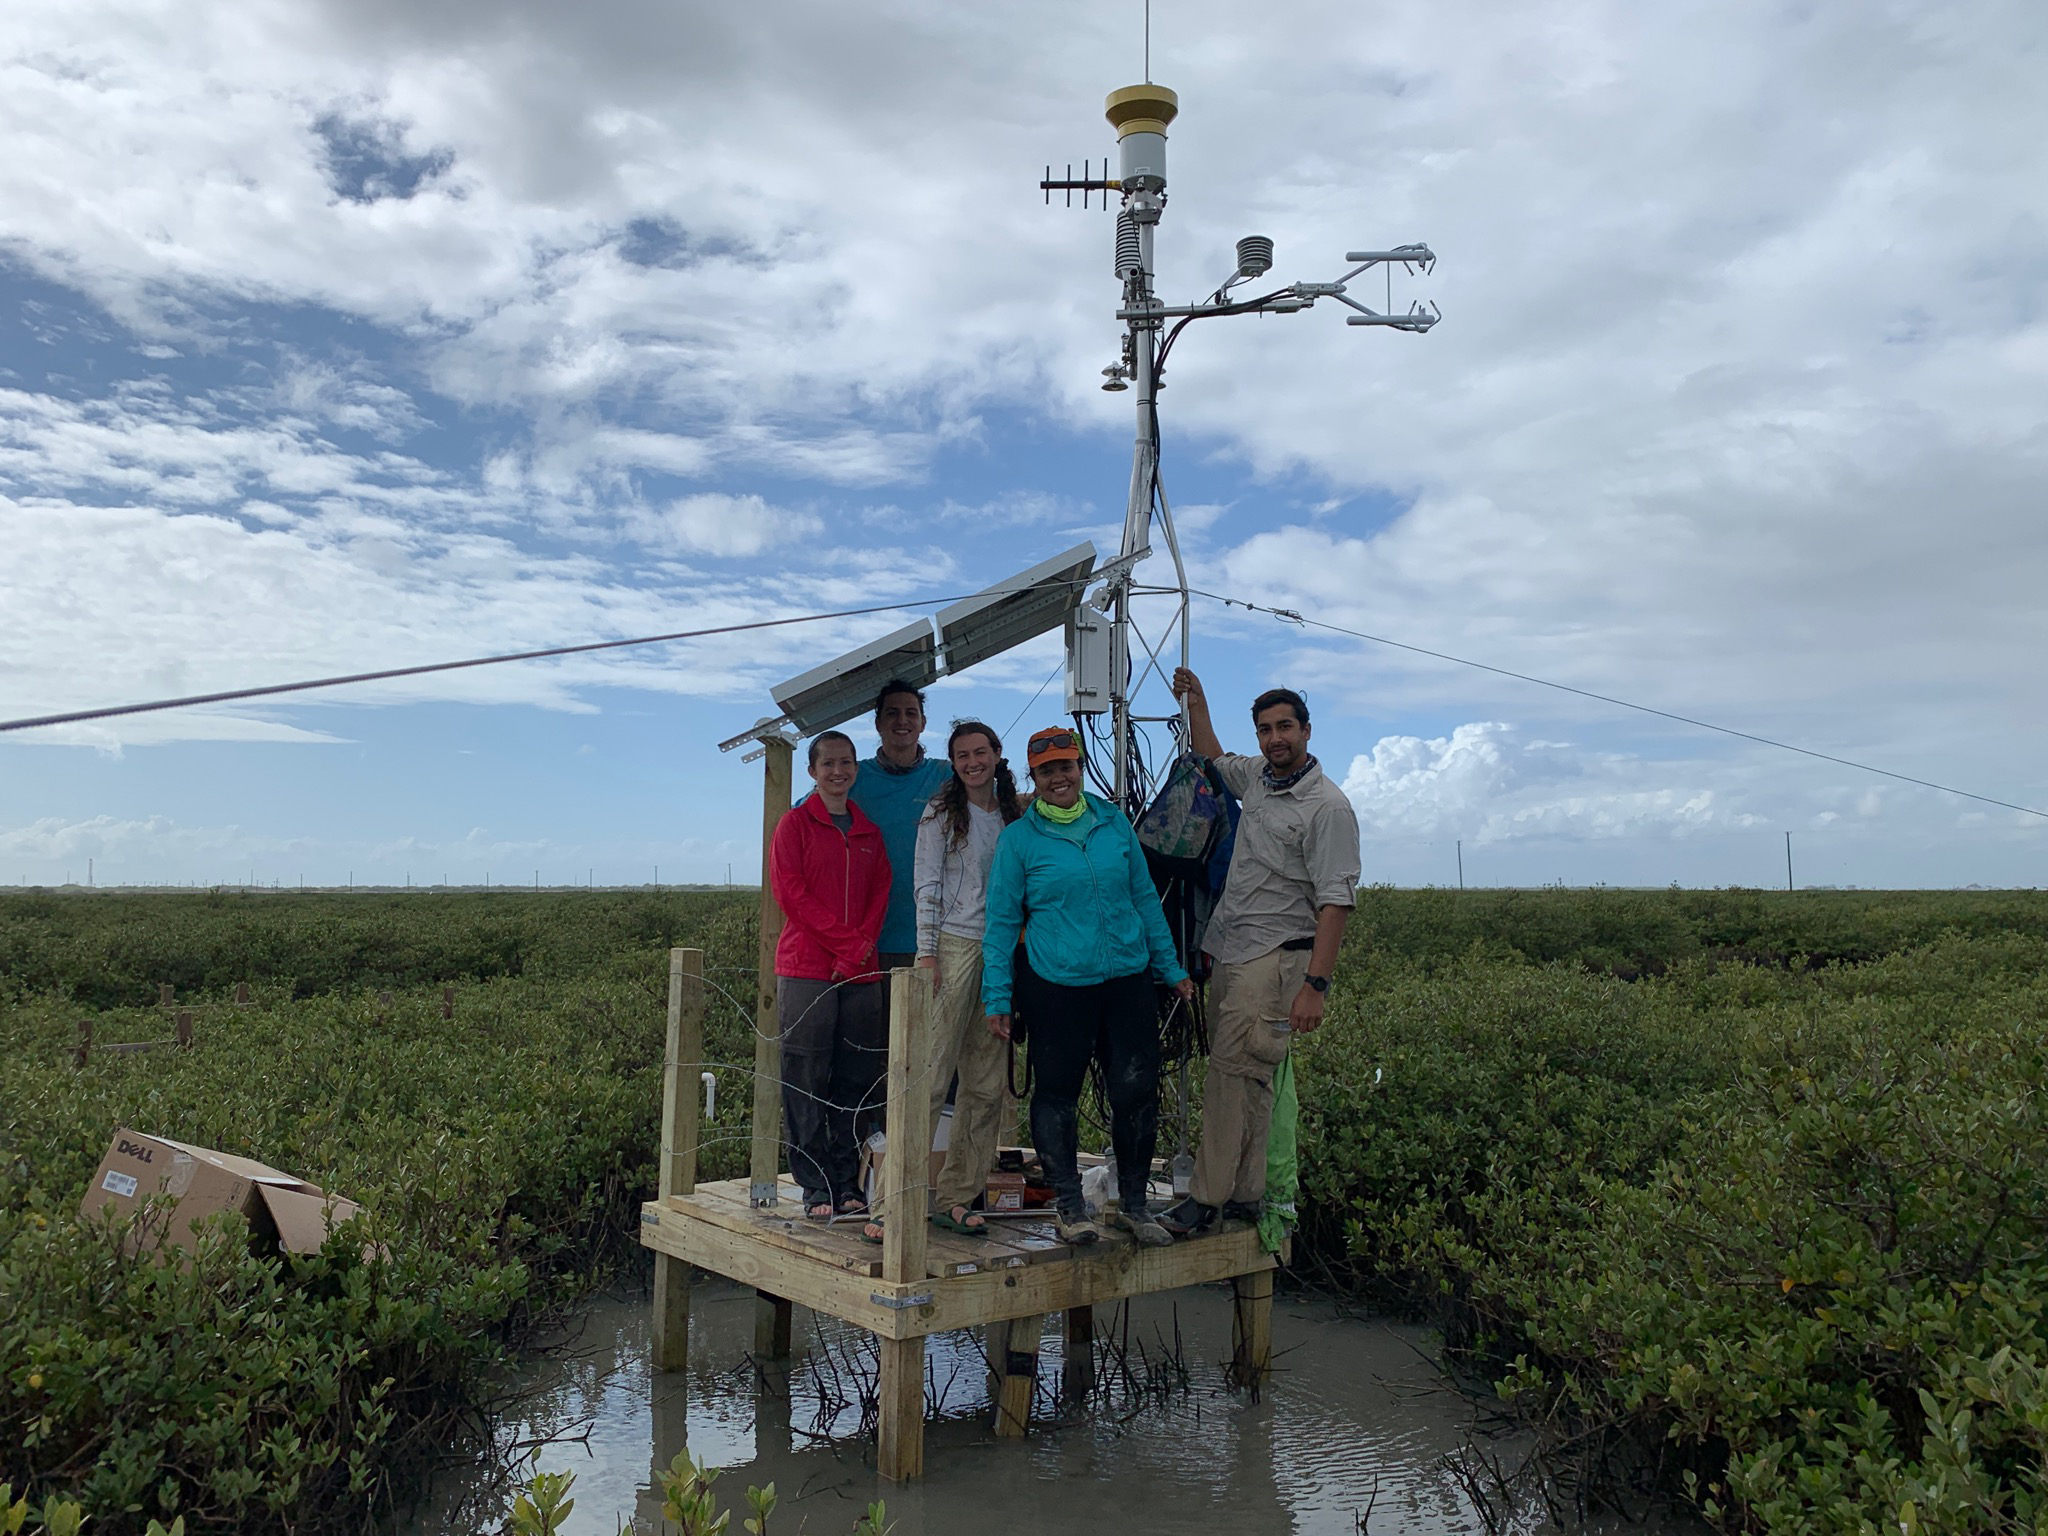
(872,1232)
(820,1211)
(969,1225)
(852,1205)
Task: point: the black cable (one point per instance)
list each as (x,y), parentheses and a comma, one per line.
(1293,617)
(1034,697)
(231,694)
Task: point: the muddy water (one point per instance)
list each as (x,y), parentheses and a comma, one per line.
(1355,1419)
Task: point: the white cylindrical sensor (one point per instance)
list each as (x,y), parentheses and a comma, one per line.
(1140,113)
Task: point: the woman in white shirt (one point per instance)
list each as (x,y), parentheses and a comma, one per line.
(956,838)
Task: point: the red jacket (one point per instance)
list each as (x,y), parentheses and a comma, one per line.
(833,888)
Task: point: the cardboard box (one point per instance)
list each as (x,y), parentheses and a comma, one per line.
(200,1183)
(1005,1192)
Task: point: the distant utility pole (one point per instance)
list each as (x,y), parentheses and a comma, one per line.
(1788,861)
(1461,863)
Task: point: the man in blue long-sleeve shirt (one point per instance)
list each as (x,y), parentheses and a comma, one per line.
(893,788)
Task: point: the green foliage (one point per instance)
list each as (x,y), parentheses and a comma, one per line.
(543,1504)
(762,1502)
(686,1497)
(111,950)
(875,1522)
(1786,1218)
(500,1156)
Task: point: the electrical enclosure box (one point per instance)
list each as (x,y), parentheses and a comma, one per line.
(1087,661)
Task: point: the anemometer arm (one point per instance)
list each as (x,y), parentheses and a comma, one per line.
(1299,296)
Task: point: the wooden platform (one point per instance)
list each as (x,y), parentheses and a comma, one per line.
(919,1280)
(1020,1270)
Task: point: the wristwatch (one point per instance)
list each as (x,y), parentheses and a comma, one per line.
(1320,983)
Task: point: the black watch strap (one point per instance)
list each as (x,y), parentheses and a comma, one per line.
(1320,983)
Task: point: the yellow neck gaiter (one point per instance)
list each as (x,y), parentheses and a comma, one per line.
(1058,817)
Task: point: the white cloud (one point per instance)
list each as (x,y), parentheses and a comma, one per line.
(1488,782)
(712,523)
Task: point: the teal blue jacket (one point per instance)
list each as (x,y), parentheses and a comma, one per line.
(1093,911)
(894,799)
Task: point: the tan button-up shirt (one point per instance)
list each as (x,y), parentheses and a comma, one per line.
(1296,852)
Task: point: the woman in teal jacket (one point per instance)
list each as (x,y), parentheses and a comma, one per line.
(1071,877)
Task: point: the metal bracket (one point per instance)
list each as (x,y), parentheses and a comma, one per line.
(760,1195)
(650,1218)
(1110,572)
(901,1303)
(766,728)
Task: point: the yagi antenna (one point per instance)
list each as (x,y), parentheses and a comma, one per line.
(1141,114)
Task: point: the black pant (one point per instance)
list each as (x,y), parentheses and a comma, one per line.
(835,1057)
(1117,1023)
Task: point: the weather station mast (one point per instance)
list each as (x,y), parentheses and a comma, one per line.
(1113,664)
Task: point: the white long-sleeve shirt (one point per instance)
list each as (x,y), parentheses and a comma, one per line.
(952,882)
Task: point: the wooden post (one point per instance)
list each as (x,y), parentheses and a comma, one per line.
(165,995)
(899,1441)
(448,1002)
(383,1005)
(766,1164)
(84,1052)
(1013,1359)
(772,1318)
(1251,1329)
(241,994)
(184,1026)
(1077,1360)
(906,1161)
(682,1059)
(906,1176)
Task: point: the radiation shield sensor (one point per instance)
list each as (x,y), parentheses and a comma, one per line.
(1014,610)
(839,690)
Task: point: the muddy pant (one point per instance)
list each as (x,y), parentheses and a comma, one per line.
(1245,1002)
(961,1043)
(1117,1023)
(835,1057)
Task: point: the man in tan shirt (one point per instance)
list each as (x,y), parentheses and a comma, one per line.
(1274,939)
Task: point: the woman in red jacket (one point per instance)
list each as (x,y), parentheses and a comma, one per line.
(830,875)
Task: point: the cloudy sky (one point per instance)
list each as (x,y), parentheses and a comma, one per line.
(345,336)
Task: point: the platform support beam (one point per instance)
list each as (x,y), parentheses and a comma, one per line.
(681,1062)
(1013,1358)
(766,1162)
(1251,1329)
(771,1326)
(1077,1360)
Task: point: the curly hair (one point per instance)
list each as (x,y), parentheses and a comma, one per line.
(951,800)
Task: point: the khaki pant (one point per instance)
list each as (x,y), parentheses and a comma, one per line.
(1245,1001)
(961,1042)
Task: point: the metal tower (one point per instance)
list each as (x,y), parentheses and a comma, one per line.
(1141,114)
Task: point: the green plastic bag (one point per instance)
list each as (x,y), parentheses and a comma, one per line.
(1283,1162)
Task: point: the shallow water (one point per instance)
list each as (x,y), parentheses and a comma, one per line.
(1356,1418)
